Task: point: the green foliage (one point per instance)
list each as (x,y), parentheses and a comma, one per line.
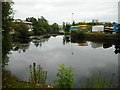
(65,77)
(6,16)
(67,27)
(100,82)
(77,35)
(55,27)
(73,24)
(21,30)
(31,33)
(6,27)
(40,25)
(98,36)
(37,75)
(63,25)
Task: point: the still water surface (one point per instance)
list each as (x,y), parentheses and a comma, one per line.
(86,58)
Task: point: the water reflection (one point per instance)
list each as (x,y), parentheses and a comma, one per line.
(84,43)
(39,41)
(107,45)
(117,48)
(66,39)
(21,47)
(57,50)
(96,45)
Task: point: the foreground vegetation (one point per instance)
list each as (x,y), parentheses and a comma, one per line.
(65,79)
(10,81)
(41,26)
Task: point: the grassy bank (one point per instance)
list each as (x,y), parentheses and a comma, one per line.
(101,36)
(10,81)
(94,36)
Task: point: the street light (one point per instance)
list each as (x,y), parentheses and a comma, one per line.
(72,17)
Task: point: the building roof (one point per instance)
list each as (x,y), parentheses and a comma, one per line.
(82,25)
(19,20)
(74,26)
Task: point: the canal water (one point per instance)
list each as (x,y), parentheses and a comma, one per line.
(86,58)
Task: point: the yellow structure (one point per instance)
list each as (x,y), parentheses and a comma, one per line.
(78,27)
(83,26)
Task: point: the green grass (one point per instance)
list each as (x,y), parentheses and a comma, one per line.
(100,82)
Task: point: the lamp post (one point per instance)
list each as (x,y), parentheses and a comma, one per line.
(72,17)
(70,39)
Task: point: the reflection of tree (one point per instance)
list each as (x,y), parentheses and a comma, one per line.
(107,45)
(117,48)
(40,41)
(21,47)
(66,39)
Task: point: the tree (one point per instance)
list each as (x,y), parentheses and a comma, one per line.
(63,25)
(22,30)
(55,27)
(43,19)
(31,19)
(73,24)
(67,28)
(6,26)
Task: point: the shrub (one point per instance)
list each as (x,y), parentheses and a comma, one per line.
(65,77)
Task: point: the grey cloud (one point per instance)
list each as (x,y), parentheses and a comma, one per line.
(61,10)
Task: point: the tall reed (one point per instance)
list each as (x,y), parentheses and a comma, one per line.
(37,74)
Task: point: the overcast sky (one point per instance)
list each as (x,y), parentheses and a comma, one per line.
(61,10)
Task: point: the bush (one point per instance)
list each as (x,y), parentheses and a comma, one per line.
(77,34)
(21,30)
(31,33)
(65,77)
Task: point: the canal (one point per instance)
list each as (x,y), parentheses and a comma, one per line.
(86,58)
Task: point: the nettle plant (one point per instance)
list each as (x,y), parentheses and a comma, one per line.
(65,77)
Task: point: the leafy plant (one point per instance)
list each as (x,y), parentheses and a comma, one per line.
(65,77)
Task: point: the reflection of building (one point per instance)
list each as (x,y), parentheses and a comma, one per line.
(83,44)
(96,45)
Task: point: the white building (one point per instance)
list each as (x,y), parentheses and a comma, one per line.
(98,28)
